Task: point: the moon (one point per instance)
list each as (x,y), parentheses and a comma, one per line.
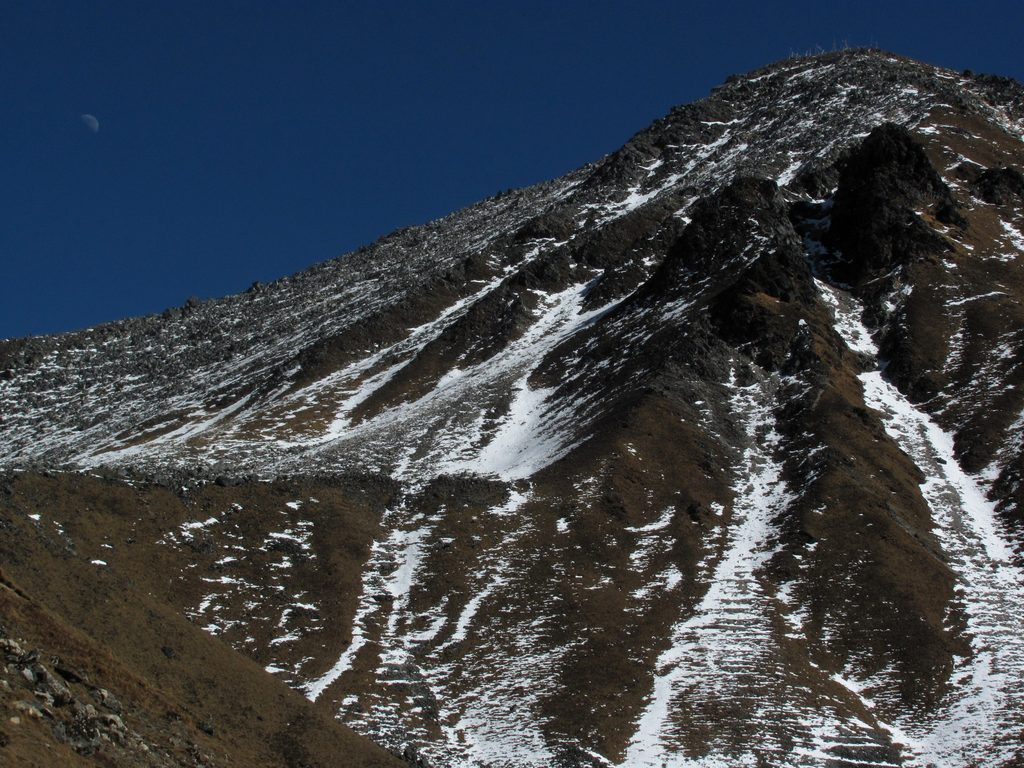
(91,123)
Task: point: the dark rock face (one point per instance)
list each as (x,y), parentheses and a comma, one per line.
(742,260)
(999,186)
(879,236)
(721,228)
(874,224)
(685,453)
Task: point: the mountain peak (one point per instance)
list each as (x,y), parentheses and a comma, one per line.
(710,448)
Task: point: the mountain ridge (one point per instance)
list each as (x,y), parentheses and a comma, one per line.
(363,261)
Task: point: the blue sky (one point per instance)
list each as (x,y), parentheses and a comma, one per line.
(245,141)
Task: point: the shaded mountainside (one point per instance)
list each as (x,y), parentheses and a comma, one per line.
(709,453)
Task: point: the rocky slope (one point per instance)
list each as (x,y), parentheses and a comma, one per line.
(706,454)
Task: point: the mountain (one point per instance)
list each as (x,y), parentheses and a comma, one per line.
(706,454)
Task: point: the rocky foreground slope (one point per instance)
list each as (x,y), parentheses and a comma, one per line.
(709,453)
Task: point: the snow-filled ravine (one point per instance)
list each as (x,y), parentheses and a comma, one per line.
(981,718)
(723,651)
(483,693)
(727,662)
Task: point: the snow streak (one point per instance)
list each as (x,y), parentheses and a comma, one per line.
(982,715)
(721,653)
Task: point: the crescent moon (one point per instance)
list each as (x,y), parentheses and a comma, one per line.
(91,123)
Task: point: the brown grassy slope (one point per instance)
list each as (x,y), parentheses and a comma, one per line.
(138,532)
(192,698)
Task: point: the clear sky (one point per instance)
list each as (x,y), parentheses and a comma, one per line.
(237,141)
